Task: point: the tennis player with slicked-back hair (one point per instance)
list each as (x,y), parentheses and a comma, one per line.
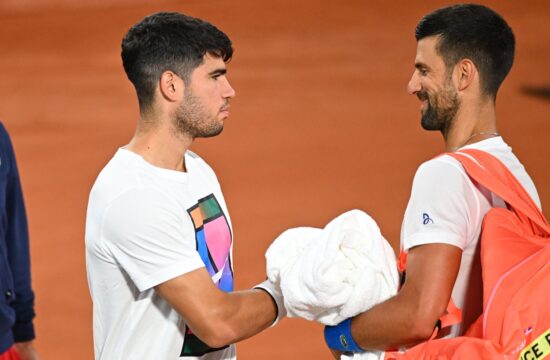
(463,54)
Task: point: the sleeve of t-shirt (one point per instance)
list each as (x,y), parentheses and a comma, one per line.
(439,210)
(151,237)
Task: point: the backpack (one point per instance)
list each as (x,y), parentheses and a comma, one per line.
(515,258)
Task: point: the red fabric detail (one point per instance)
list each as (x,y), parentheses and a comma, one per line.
(402,261)
(452,316)
(11,354)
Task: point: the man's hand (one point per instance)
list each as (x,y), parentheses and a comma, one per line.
(26,350)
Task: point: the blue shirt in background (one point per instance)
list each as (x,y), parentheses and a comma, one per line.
(16,295)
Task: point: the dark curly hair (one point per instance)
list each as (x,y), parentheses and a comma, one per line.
(168,41)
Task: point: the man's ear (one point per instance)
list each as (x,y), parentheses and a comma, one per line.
(171,86)
(465,74)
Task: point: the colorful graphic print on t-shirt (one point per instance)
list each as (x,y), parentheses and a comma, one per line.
(213,238)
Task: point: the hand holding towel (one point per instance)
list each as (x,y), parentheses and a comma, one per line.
(331,274)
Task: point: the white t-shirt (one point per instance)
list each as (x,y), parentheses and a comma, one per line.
(447,207)
(146,225)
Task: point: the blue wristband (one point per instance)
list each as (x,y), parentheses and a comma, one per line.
(339,337)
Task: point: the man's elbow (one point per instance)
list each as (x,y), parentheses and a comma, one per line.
(422,327)
(421,331)
(425,319)
(217,333)
(218,338)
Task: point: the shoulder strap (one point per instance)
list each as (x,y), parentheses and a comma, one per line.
(495,176)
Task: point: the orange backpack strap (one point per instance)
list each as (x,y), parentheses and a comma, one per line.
(495,176)
(452,317)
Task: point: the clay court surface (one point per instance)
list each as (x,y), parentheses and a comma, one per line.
(321,124)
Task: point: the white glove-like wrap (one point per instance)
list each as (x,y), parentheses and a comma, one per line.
(274,290)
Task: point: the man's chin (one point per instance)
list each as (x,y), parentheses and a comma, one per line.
(213,132)
(427,123)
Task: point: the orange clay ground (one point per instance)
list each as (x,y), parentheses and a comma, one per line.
(321,124)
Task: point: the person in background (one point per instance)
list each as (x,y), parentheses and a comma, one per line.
(16,294)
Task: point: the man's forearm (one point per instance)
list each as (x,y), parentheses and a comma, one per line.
(410,316)
(218,318)
(248,312)
(391,324)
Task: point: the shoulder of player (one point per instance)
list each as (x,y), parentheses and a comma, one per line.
(122,185)
(442,165)
(443,172)
(138,207)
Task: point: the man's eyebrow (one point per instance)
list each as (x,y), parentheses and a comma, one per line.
(419,65)
(218,72)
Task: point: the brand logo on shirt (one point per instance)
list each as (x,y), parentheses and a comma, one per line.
(426,219)
(213,239)
(344,341)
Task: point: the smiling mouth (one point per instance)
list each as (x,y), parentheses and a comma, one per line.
(423,97)
(423,105)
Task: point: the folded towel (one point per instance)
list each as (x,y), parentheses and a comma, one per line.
(331,274)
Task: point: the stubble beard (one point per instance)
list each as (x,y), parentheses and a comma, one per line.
(441,109)
(192,119)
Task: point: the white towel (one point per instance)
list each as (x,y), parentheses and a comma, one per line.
(331,274)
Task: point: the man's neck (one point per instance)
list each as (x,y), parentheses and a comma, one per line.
(472,124)
(160,146)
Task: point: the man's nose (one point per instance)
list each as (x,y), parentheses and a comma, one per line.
(414,84)
(229,92)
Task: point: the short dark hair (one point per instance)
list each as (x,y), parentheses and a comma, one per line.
(169,41)
(474,32)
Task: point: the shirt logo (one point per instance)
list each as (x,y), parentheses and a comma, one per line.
(426,219)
